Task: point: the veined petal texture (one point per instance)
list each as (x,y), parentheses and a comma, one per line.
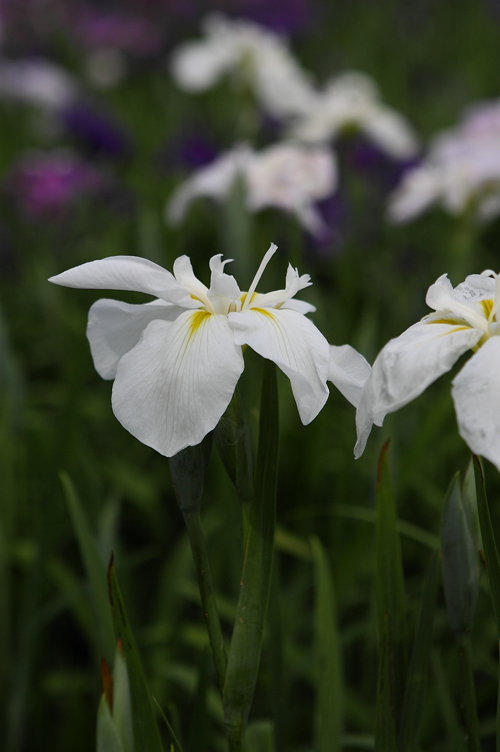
(405,367)
(476,396)
(114,328)
(126,273)
(171,389)
(296,346)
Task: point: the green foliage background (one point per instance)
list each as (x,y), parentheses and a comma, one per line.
(431,60)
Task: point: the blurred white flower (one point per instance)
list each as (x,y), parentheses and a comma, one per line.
(461,170)
(176,360)
(352,100)
(38,82)
(285,176)
(253,56)
(465,318)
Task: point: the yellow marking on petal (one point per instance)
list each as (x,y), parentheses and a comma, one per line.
(196,321)
(243,297)
(487,306)
(264,311)
(449,320)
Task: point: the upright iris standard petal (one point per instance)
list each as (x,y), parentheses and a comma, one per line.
(126,273)
(173,386)
(406,366)
(476,394)
(114,328)
(295,345)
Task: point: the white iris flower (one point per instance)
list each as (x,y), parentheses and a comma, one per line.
(352,100)
(176,360)
(285,176)
(465,318)
(253,56)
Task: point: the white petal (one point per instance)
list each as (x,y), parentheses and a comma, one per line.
(295,345)
(391,132)
(114,328)
(299,305)
(126,273)
(404,369)
(175,384)
(185,276)
(197,66)
(349,371)
(476,394)
(461,301)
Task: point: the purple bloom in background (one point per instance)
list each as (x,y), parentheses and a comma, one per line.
(368,158)
(196,150)
(282,16)
(118,29)
(98,131)
(47,185)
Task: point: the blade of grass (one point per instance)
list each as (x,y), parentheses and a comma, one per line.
(94,566)
(416,683)
(146,734)
(390,594)
(329,690)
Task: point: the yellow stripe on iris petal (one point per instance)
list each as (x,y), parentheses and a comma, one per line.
(196,321)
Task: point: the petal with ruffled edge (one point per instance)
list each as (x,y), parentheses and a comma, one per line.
(405,367)
(173,386)
(127,273)
(476,394)
(114,328)
(349,371)
(296,346)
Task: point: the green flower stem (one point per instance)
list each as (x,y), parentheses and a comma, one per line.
(468,690)
(196,538)
(491,559)
(246,643)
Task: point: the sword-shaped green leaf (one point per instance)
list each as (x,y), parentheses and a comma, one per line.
(244,654)
(146,734)
(329,693)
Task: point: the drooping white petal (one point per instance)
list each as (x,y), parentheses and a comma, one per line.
(349,371)
(295,345)
(299,305)
(197,66)
(404,369)
(391,132)
(173,386)
(126,273)
(476,394)
(114,328)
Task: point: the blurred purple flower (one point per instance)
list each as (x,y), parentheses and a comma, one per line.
(98,131)
(368,158)
(282,16)
(47,185)
(119,29)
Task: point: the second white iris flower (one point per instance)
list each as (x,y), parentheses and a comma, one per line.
(176,360)
(464,318)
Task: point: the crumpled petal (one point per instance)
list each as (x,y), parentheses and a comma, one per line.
(172,388)
(476,394)
(348,371)
(114,328)
(295,345)
(127,273)
(462,300)
(404,369)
